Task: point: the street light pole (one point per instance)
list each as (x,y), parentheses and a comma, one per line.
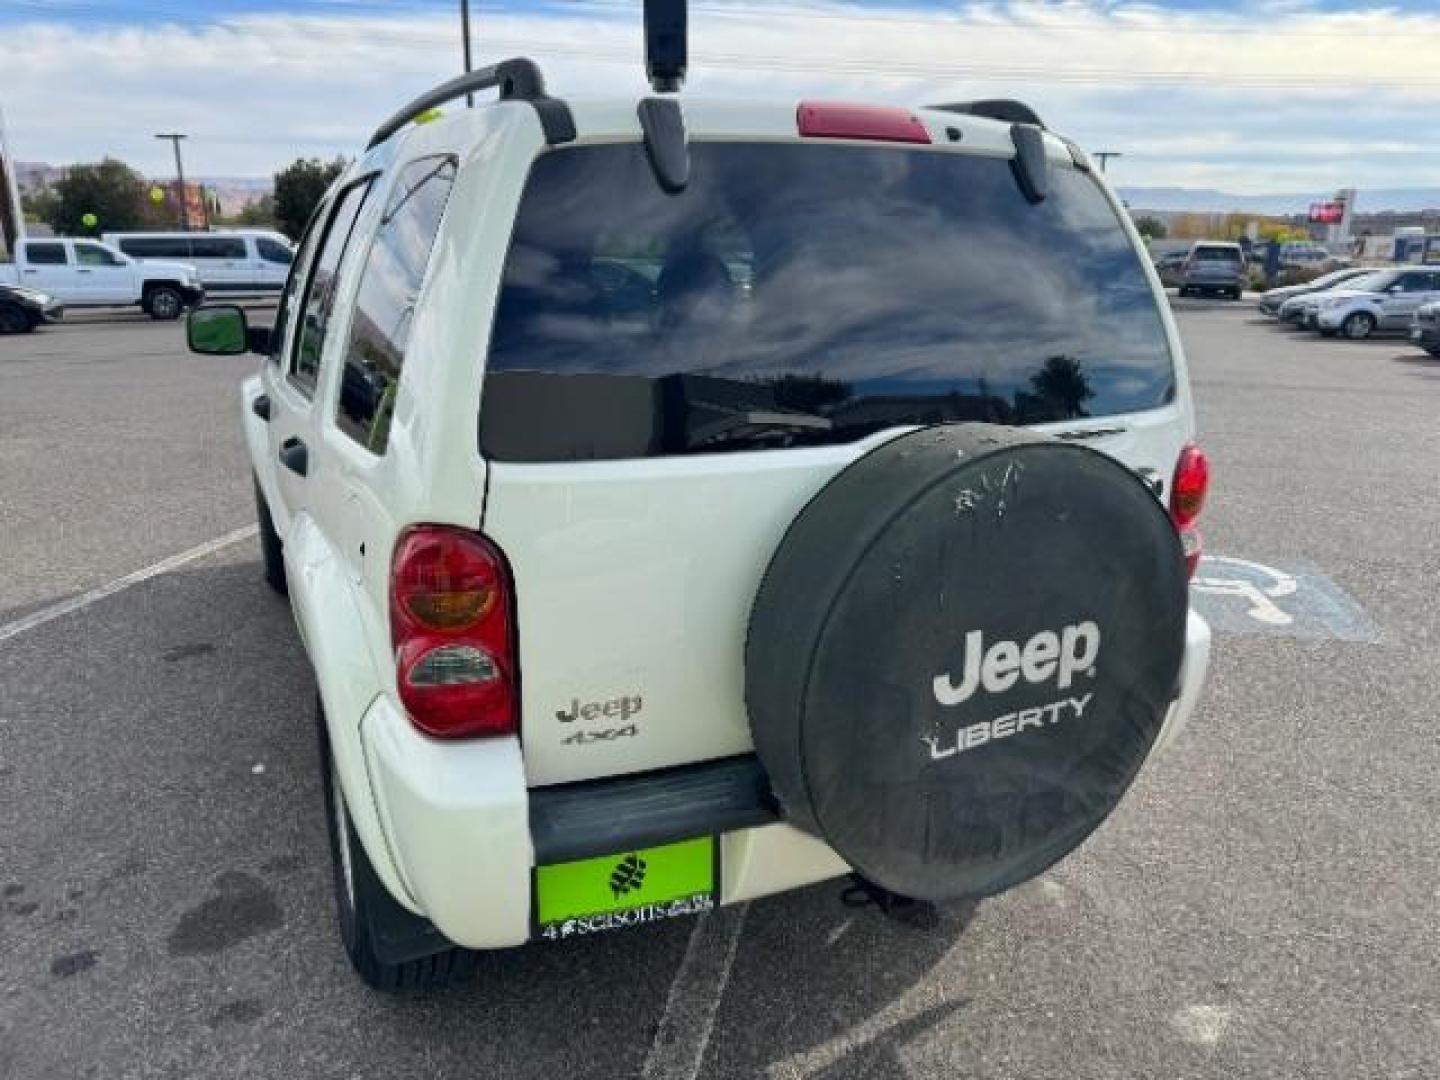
(465,43)
(1105,156)
(175,138)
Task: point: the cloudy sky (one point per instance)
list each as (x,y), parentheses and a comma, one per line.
(1251,96)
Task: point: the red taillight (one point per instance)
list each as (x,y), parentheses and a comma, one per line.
(826,120)
(451,624)
(1187,499)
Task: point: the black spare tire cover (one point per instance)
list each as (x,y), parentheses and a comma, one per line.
(962,653)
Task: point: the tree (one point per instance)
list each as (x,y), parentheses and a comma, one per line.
(115,193)
(40,204)
(259,214)
(299,187)
(1151,227)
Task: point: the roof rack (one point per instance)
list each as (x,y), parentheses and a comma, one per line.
(518,79)
(1003,109)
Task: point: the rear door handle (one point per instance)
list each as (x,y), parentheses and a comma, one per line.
(261,407)
(295,456)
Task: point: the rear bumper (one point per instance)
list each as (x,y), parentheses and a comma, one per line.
(464,834)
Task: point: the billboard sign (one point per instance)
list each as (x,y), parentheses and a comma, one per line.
(1327,213)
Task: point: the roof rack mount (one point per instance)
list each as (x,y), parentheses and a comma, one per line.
(1004,109)
(518,79)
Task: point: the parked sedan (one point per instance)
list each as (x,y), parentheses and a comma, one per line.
(1387,303)
(22,309)
(1171,268)
(1272,300)
(1425,331)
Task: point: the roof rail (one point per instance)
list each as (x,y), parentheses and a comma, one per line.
(518,80)
(1003,109)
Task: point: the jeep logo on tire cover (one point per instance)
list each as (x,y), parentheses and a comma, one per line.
(1071,652)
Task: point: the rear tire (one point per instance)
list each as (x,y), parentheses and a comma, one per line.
(272,552)
(1359,326)
(360,896)
(164,303)
(14,320)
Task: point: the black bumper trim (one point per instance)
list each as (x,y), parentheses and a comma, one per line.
(602,817)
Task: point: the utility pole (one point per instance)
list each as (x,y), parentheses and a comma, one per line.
(465,43)
(1105,156)
(12,215)
(175,138)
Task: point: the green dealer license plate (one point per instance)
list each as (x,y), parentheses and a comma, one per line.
(627,889)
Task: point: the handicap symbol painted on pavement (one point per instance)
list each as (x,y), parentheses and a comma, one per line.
(1238,596)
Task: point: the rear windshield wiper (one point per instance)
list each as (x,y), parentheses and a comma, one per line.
(759,425)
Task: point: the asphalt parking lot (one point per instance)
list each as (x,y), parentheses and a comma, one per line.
(1265,904)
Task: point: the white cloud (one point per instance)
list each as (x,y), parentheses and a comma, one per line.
(1279,96)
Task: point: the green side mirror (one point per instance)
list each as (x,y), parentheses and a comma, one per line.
(218,330)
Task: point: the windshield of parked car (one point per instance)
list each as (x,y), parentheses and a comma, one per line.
(804,294)
(1376,282)
(1335,277)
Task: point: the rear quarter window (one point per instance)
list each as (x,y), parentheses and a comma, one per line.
(804,294)
(391,279)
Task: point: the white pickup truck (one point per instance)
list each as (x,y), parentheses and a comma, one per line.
(87,273)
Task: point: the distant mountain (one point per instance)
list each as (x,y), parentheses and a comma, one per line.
(235,192)
(1208,200)
(34,174)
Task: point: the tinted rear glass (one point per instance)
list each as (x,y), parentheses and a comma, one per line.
(155,247)
(797,295)
(45,254)
(217,247)
(1218,254)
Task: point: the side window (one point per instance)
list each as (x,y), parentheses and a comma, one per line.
(217,247)
(156,248)
(94,255)
(45,254)
(1415,283)
(295,283)
(385,304)
(319,303)
(273,251)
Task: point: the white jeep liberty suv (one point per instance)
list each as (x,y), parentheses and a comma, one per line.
(678,507)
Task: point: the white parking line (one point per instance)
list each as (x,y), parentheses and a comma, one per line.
(85,599)
(678,1050)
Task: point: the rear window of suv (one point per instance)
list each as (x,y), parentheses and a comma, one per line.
(801,295)
(1218,254)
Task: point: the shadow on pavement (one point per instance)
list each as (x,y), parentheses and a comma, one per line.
(166,844)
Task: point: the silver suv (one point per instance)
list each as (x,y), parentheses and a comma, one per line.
(1214,268)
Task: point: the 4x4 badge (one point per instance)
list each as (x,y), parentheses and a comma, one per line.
(585,738)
